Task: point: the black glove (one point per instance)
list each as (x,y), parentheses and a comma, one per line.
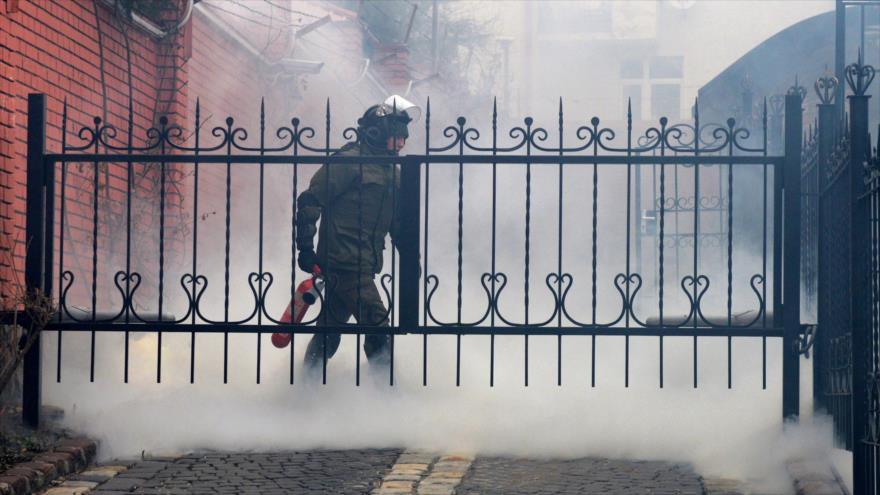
(307,260)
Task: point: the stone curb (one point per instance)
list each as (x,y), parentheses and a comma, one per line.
(815,478)
(424,473)
(68,456)
(86,481)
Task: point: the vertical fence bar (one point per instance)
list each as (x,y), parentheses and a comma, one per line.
(460,256)
(295,186)
(95,189)
(696,260)
(827,120)
(61,238)
(731,125)
(226,243)
(859,267)
(427,273)
(792,248)
(494,240)
(129,178)
(528,121)
(262,303)
(195,258)
(35,277)
(559,251)
(764,250)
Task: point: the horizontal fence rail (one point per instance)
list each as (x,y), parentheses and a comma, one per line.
(521,231)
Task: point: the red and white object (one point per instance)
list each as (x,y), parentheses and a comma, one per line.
(306,294)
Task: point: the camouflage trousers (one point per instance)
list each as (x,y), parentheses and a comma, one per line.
(350,294)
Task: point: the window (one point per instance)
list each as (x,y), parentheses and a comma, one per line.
(666,68)
(666,101)
(631,69)
(633,93)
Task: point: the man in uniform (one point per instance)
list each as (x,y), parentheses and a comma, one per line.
(355,203)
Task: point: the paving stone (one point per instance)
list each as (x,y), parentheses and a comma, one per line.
(416,458)
(495,476)
(417,472)
(391,485)
(67,490)
(446,475)
(123,484)
(80,484)
(392,476)
(111,468)
(436,490)
(18,484)
(414,466)
(439,482)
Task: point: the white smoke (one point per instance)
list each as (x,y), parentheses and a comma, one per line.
(735,433)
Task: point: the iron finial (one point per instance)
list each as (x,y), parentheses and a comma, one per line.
(560,111)
(797,89)
(859,77)
(826,88)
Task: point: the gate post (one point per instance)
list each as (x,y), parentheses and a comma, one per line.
(859,77)
(408,242)
(791,314)
(35,240)
(826,90)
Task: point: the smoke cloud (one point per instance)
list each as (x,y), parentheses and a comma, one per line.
(735,433)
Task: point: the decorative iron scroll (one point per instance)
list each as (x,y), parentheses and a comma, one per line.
(635,307)
(590,138)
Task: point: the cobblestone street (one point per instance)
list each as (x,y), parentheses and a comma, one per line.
(522,476)
(330,471)
(384,472)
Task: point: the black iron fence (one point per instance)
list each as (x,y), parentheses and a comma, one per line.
(841,247)
(542,265)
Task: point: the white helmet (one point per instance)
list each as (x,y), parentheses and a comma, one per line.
(400,105)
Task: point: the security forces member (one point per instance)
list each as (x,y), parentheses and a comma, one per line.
(355,204)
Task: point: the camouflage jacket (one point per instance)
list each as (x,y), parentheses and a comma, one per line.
(356,204)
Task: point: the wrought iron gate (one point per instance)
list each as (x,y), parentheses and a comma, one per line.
(118,294)
(841,245)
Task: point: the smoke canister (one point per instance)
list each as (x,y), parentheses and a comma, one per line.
(306,294)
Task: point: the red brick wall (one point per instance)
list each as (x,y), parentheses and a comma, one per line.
(55,48)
